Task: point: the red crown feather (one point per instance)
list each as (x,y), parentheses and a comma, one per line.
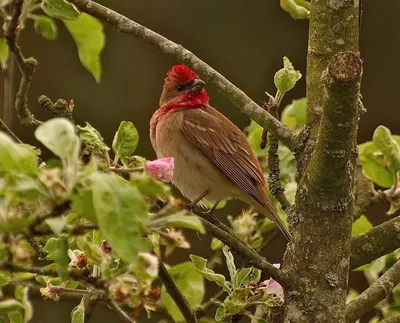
(181,74)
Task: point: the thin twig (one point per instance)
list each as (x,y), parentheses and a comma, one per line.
(4,128)
(26,66)
(42,253)
(176,295)
(247,106)
(120,312)
(240,248)
(125,170)
(373,294)
(375,243)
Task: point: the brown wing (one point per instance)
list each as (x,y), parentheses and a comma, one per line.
(226,147)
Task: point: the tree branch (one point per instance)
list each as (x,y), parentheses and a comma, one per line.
(247,106)
(373,294)
(176,295)
(26,66)
(221,232)
(374,243)
(120,312)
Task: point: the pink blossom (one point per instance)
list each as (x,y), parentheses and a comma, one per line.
(272,286)
(162,169)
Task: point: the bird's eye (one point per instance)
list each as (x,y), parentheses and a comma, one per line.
(180,87)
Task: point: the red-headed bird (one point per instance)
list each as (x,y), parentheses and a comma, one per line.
(213,159)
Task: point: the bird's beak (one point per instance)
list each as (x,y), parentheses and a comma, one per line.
(197,86)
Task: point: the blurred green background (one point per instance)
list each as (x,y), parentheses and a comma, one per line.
(244,40)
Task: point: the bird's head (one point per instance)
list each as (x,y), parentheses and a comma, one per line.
(183,88)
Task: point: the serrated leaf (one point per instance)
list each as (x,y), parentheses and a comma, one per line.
(191,285)
(4,52)
(361,225)
(78,313)
(125,140)
(246,276)
(121,213)
(62,259)
(230,262)
(16,157)
(179,220)
(89,37)
(58,135)
(237,300)
(294,115)
(207,273)
(46,27)
(90,136)
(60,9)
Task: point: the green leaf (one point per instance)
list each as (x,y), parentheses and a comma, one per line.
(297,9)
(4,52)
(16,157)
(149,186)
(88,35)
(51,247)
(179,220)
(59,9)
(191,285)
(200,264)
(4,279)
(22,293)
(230,262)
(246,276)
(121,213)
(45,27)
(125,140)
(374,165)
(62,258)
(286,78)
(78,313)
(90,136)
(28,189)
(221,314)
(56,224)
(237,300)
(58,135)
(82,204)
(382,138)
(10,305)
(294,115)
(216,244)
(254,138)
(361,225)
(15,317)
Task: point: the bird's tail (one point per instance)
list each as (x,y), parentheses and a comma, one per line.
(267,209)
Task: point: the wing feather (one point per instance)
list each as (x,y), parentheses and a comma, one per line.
(226,147)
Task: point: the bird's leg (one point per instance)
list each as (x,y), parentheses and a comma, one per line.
(192,204)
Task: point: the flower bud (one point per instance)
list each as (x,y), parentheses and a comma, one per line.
(285,79)
(162,169)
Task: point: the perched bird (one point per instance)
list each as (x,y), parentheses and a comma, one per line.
(213,159)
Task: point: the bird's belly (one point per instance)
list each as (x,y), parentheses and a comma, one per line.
(194,173)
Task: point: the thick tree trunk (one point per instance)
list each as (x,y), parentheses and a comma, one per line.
(317,262)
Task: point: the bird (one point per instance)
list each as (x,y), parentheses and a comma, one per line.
(213,159)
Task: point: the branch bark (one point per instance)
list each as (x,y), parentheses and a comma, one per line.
(247,106)
(317,261)
(373,294)
(375,243)
(26,66)
(176,295)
